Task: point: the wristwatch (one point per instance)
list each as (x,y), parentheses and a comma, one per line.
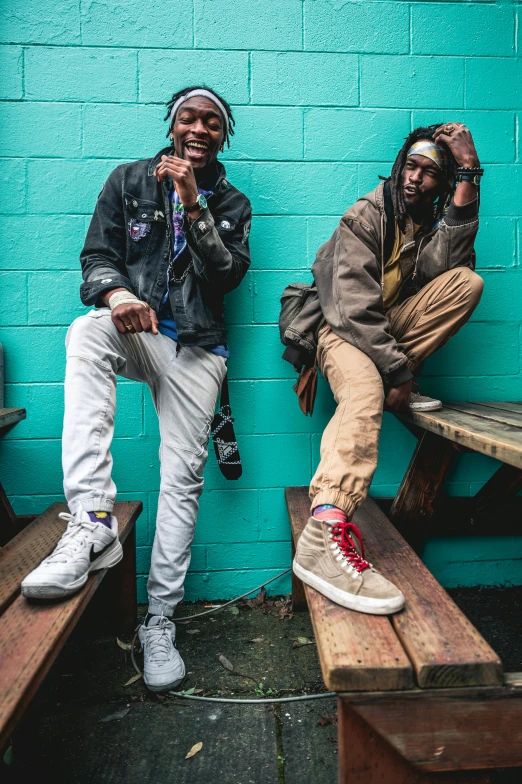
(199,204)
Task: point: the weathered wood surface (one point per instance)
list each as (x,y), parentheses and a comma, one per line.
(354,648)
(34,543)
(443,646)
(32,634)
(10,416)
(366,756)
(413,506)
(503,416)
(489,437)
(450,729)
(517,407)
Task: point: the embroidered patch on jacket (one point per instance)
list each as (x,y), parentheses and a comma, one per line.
(138,230)
(246,231)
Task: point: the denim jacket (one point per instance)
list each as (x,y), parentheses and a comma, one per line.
(129,245)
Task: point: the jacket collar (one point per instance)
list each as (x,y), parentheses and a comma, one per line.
(220,169)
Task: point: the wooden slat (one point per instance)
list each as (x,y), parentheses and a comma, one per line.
(444,647)
(33,633)
(10,416)
(517,407)
(503,442)
(488,412)
(356,651)
(23,553)
(448,729)
(366,757)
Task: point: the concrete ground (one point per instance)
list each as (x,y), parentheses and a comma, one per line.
(87,726)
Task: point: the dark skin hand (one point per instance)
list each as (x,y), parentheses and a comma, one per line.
(139,315)
(422,182)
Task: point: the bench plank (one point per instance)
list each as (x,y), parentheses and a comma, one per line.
(487,412)
(23,553)
(517,407)
(495,439)
(443,645)
(356,651)
(10,416)
(32,634)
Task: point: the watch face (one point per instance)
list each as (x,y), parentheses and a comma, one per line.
(203,202)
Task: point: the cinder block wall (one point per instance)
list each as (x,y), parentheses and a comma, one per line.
(324,92)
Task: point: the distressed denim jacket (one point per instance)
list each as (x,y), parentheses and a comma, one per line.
(129,245)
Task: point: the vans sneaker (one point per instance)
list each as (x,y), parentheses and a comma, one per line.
(163,667)
(420,402)
(330,558)
(84,547)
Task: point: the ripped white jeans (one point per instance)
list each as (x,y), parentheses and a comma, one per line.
(184,389)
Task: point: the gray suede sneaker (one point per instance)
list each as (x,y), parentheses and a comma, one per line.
(329,559)
(420,402)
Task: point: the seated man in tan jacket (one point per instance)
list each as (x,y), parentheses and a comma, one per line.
(395,281)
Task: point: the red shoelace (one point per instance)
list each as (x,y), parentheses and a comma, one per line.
(341,534)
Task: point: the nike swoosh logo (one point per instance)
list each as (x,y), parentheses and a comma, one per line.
(93,555)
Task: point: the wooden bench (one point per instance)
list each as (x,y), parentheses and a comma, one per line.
(421,694)
(493,429)
(33,634)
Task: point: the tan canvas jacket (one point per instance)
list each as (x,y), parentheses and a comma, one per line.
(348,273)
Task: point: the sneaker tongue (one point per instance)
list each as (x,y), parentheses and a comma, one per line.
(154,620)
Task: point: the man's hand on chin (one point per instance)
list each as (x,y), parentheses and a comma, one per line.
(398,398)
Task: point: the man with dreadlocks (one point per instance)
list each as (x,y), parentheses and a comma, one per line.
(394,283)
(168,239)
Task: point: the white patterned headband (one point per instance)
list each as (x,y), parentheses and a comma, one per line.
(203,94)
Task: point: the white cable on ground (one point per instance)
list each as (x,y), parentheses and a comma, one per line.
(240,700)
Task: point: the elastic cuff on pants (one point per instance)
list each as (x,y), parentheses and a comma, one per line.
(91,504)
(158,608)
(336,498)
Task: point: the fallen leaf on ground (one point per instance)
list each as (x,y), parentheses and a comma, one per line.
(226,663)
(118,715)
(125,646)
(257,639)
(300,641)
(234,610)
(328,719)
(192,631)
(133,679)
(195,749)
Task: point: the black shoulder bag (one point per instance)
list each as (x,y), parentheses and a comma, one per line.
(223,436)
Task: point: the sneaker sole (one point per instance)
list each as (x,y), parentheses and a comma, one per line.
(154,687)
(364,604)
(426,406)
(110,557)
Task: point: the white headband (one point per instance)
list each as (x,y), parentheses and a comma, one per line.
(203,94)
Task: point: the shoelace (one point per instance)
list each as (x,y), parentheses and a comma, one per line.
(415,389)
(159,641)
(73,539)
(341,535)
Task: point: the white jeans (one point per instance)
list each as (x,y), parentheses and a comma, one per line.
(184,389)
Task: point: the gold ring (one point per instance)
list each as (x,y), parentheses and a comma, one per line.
(128,326)
(449,128)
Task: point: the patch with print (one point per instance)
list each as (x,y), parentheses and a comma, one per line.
(246,231)
(138,230)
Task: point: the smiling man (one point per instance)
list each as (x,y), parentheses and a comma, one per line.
(394,283)
(168,239)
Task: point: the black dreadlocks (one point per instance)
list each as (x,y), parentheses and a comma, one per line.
(448,185)
(231,122)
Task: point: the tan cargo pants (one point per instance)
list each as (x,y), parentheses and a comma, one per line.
(349,446)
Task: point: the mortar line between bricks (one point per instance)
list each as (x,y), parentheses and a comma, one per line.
(410,30)
(343,53)
(303,25)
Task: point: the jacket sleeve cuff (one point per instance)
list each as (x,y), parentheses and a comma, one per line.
(202,225)
(459,216)
(397,377)
(92,291)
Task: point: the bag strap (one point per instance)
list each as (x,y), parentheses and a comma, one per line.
(225,395)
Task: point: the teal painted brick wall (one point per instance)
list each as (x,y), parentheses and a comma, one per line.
(323,92)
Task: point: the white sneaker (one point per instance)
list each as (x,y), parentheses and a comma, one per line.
(163,667)
(420,402)
(84,547)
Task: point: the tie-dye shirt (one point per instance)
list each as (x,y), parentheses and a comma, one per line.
(167,325)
